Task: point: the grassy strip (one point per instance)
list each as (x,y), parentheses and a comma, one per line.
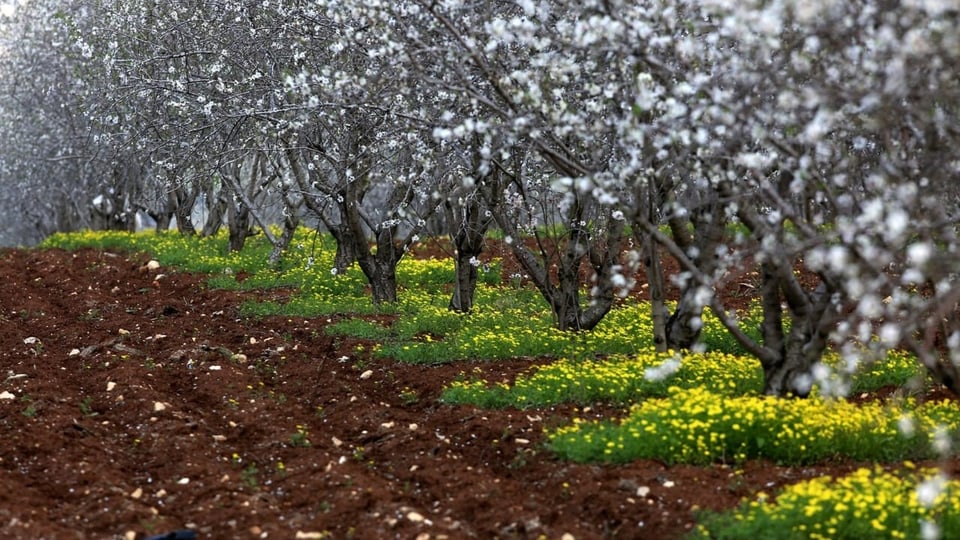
(307,264)
(620,380)
(697,426)
(625,379)
(509,320)
(869,503)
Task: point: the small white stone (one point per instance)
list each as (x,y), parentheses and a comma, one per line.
(123,332)
(75,352)
(6,395)
(301,535)
(388,425)
(643,491)
(111,385)
(415,517)
(153,264)
(183,481)
(159,406)
(366,374)
(669,484)
(137,493)
(214,368)
(31,340)
(413,427)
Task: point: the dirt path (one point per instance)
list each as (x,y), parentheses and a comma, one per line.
(138,401)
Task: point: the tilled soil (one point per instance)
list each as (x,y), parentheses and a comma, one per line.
(138,401)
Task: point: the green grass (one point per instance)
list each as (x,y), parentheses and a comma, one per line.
(620,379)
(697,426)
(624,379)
(869,503)
(358,328)
(509,320)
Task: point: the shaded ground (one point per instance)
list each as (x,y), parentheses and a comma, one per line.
(136,401)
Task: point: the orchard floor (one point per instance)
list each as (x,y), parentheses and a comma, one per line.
(126,412)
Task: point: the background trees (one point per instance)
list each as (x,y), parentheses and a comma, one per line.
(749,137)
(52,164)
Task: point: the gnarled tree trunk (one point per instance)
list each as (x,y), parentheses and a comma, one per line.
(467,245)
(562,291)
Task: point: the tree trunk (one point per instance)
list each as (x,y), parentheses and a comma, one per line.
(290,224)
(564,295)
(788,364)
(238,225)
(565,303)
(217,209)
(383,282)
(790,372)
(790,376)
(681,331)
(380,266)
(163,220)
(470,227)
(184,217)
(465,286)
(658,310)
(708,233)
(346,253)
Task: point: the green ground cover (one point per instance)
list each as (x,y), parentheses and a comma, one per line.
(869,503)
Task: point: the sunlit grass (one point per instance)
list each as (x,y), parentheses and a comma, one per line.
(620,379)
(624,379)
(698,426)
(869,503)
(509,321)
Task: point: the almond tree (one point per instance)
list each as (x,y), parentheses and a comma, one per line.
(200,104)
(53,167)
(783,119)
(824,149)
(511,92)
(361,158)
